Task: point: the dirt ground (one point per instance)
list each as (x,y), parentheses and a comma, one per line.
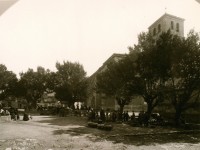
(55,133)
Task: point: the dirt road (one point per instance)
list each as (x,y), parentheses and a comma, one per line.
(41,134)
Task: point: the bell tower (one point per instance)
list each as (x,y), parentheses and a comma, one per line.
(167,22)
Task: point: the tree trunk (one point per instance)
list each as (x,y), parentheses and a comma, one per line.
(121,111)
(121,108)
(149,110)
(178,117)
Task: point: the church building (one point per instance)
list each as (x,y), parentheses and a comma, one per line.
(100,100)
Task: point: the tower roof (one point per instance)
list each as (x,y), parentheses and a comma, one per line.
(164,16)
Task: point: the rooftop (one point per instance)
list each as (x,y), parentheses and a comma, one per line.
(166,15)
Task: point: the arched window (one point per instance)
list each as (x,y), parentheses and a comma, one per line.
(172,25)
(177,27)
(159,28)
(154,31)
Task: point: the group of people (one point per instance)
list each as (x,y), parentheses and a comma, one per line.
(113,116)
(4,112)
(14,114)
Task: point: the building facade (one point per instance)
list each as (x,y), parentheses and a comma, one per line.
(48,100)
(167,22)
(100,100)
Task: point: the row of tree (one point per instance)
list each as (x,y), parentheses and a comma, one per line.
(68,83)
(164,69)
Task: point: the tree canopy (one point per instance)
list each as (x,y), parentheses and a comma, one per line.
(184,80)
(32,85)
(116,78)
(68,82)
(170,66)
(8,82)
(157,69)
(71,84)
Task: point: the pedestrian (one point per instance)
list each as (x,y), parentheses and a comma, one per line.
(16,114)
(102,115)
(2,112)
(133,116)
(146,119)
(25,118)
(12,113)
(141,118)
(126,116)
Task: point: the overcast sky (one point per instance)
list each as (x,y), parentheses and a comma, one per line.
(41,32)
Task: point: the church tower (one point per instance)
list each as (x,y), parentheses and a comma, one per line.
(167,22)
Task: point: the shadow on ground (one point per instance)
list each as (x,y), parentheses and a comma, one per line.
(123,133)
(64,121)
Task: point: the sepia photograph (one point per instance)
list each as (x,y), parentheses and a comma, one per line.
(99,75)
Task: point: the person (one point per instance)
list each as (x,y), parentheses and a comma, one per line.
(141,118)
(16,114)
(119,115)
(133,116)
(92,115)
(2,112)
(30,117)
(126,116)
(107,116)
(102,115)
(26,117)
(12,113)
(7,113)
(123,116)
(77,106)
(114,116)
(146,119)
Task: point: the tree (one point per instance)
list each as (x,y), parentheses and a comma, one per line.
(71,84)
(169,66)
(116,78)
(184,80)
(151,70)
(8,82)
(52,81)
(32,85)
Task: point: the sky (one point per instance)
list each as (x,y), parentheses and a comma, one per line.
(42,32)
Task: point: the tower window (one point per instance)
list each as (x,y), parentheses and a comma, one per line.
(159,28)
(177,27)
(172,25)
(154,31)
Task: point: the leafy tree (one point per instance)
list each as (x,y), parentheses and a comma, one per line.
(8,81)
(116,78)
(151,73)
(169,66)
(32,85)
(70,79)
(184,80)
(52,81)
